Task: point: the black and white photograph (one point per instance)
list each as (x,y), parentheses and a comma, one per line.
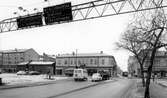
(83,48)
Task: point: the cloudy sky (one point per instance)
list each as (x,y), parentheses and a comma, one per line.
(88,36)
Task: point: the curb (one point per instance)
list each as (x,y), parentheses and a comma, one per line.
(5,87)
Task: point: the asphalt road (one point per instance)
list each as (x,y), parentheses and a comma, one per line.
(71,89)
(118,89)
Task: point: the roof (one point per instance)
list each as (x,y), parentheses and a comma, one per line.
(37,63)
(161,53)
(14,50)
(85,55)
(158,53)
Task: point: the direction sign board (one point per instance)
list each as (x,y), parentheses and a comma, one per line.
(58,13)
(29,21)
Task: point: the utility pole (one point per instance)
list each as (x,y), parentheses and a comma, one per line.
(76,59)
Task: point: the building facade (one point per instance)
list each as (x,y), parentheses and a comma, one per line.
(11,58)
(159,65)
(93,62)
(133,67)
(44,67)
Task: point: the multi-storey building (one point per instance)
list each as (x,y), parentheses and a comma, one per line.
(159,66)
(46,57)
(133,66)
(160,63)
(93,62)
(11,58)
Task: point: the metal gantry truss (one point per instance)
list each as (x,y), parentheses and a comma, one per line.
(97,9)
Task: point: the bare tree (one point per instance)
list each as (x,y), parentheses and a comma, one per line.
(132,41)
(155,33)
(147,33)
(150,33)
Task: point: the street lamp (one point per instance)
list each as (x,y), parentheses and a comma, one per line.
(24,10)
(20,8)
(47,1)
(16,13)
(35,9)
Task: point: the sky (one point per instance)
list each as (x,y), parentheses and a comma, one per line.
(88,36)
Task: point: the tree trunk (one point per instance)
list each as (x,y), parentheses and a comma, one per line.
(147,93)
(143,81)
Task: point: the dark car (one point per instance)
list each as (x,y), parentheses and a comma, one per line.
(105,75)
(34,73)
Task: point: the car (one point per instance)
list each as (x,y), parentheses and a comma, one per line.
(34,73)
(96,77)
(105,75)
(21,73)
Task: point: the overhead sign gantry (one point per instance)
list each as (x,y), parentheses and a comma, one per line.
(69,13)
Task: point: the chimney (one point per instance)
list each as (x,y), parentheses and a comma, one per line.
(16,49)
(73,53)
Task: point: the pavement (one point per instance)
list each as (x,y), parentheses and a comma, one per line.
(158,89)
(22,85)
(3,87)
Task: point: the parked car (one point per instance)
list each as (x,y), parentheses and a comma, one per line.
(34,73)
(105,75)
(96,77)
(21,73)
(80,74)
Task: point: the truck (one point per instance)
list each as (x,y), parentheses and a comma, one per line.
(80,74)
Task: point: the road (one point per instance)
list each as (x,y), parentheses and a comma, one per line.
(70,89)
(117,89)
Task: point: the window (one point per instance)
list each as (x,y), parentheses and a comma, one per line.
(71,62)
(9,62)
(103,62)
(65,62)
(75,62)
(95,61)
(79,62)
(91,61)
(59,62)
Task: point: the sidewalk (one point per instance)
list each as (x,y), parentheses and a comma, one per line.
(158,91)
(32,84)
(21,85)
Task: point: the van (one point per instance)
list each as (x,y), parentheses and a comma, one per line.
(80,74)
